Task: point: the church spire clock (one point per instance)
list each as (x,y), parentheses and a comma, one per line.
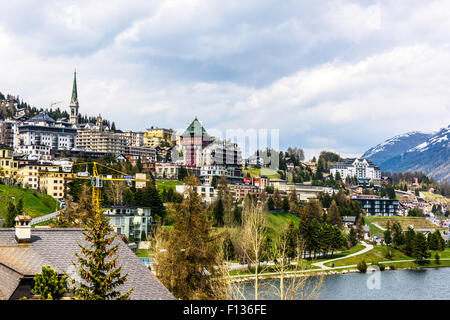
(74,101)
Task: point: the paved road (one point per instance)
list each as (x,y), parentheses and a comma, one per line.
(237,266)
(44,218)
(377,225)
(368,247)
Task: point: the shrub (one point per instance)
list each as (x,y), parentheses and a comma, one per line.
(437,258)
(392,267)
(382,267)
(47,203)
(362,266)
(387,253)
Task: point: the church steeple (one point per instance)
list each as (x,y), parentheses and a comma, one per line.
(74,101)
(74,89)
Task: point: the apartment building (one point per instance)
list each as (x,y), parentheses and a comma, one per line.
(304,192)
(158,137)
(377,206)
(135,139)
(101,141)
(239,190)
(233,174)
(362,169)
(8,164)
(222,153)
(8,133)
(41,133)
(207,193)
(132,221)
(167,170)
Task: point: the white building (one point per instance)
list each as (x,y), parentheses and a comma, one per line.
(221,153)
(41,133)
(207,193)
(359,168)
(233,174)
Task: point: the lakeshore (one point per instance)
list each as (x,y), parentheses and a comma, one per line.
(406,284)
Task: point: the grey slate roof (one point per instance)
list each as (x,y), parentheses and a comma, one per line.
(43,116)
(56,247)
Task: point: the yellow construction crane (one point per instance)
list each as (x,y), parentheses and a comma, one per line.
(55,103)
(97,180)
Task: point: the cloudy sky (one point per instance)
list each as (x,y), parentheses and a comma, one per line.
(336,75)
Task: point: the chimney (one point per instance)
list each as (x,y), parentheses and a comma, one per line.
(23,228)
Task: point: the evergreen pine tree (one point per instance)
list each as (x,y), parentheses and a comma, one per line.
(270,204)
(410,236)
(48,285)
(218,213)
(420,247)
(97,267)
(186,256)
(388,234)
(11,213)
(237,214)
(285,204)
(333,215)
(398,237)
(352,237)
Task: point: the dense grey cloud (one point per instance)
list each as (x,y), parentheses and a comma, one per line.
(338,75)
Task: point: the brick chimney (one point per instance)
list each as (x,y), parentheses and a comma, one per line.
(23,228)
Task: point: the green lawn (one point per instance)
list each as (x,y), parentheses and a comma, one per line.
(142,253)
(34,205)
(377,254)
(435,197)
(352,250)
(269,173)
(278,221)
(163,183)
(268,269)
(372,228)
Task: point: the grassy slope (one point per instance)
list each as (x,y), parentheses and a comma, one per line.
(374,255)
(372,228)
(278,221)
(352,250)
(254,172)
(435,197)
(405,222)
(161,184)
(33,205)
(377,255)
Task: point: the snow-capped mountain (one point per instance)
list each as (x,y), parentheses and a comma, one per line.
(395,146)
(414,151)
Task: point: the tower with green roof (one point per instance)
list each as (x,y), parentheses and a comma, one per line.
(74,101)
(193,140)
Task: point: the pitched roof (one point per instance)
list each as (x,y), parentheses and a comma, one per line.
(56,247)
(195,128)
(43,116)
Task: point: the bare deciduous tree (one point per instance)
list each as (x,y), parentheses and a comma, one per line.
(296,280)
(254,228)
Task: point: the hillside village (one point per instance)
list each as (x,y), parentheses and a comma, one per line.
(143,174)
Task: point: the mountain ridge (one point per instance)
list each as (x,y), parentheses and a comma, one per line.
(414,151)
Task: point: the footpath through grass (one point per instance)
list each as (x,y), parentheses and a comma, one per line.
(373,229)
(378,254)
(345,253)
(34,203)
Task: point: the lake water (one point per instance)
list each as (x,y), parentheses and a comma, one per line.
(421,284)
